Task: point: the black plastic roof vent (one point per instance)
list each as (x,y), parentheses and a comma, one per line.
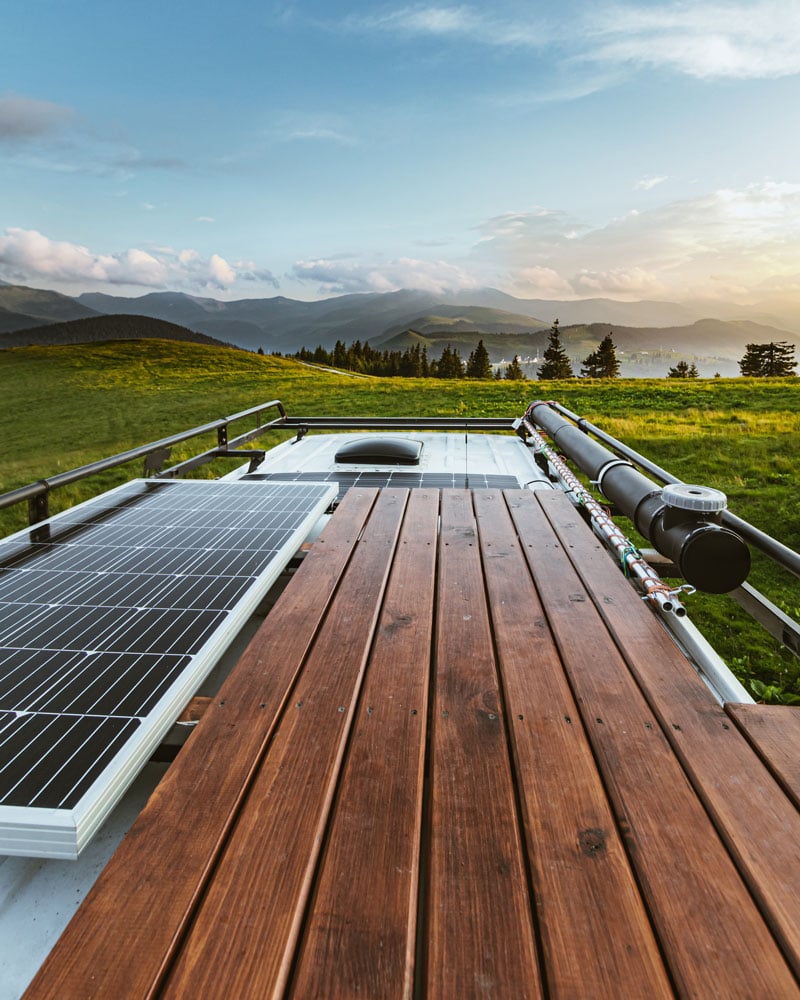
(380,451)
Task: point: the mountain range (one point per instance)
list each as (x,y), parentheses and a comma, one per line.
(650,335)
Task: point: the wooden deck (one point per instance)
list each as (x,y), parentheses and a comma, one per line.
(461,758)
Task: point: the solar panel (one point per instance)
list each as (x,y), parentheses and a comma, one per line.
(406,480)
(111,615)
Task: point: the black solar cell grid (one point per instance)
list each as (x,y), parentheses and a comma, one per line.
(101,619)
(408,480)
(50,761)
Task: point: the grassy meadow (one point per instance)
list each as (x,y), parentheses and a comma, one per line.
(67,406)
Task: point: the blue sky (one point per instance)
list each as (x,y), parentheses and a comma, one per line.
(630,150)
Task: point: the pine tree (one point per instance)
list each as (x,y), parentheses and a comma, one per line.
(514,370)
(607,354)
(556,363)
(602,363)
(773,360)
(683,370)
(590,367)
(450,364)
(478,363)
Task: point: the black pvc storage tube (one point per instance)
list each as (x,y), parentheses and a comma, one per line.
(710,557)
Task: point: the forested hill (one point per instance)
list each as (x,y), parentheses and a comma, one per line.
(100,328)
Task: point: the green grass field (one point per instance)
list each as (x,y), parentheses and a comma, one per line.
(67,406)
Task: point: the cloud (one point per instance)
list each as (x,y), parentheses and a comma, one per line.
(620,282)
(731,40)
(294,126)
(344,275)
(648,183)
(27,255)
(461,22)
(136,161)
(541,282)
(738,39)
(726,243)
(322,135)
(24,118)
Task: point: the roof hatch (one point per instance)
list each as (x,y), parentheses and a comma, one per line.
(380,451)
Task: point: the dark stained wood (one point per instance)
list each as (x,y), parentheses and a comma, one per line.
(127,929)
(774,730)
(195,710)
(360,937)
(713,937)
(465,769)
(595,931)
(759,824)
(479,935)
(243,936)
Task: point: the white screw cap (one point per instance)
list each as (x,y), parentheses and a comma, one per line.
(687,496)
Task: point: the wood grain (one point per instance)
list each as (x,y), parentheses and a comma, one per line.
(242,939)
(774,731)
(126,931)
(758,822)
(480,936)
(713,937)
(360,937)
(595,931)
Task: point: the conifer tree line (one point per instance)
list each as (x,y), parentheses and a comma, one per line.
(773,360)
(411,363)
(601,363)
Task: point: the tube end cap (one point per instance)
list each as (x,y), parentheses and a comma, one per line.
(701,499)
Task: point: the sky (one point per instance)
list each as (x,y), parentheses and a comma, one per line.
(628,150)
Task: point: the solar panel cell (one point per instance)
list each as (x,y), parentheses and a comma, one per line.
(409,480)
(109,623)
(45,757)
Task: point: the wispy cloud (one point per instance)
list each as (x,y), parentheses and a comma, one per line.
(738,39)
(314,126)
(744,40)
(24,118)
(137,161)
(321,135)
(352,274)
(648,183)
(28,255)
(461,22)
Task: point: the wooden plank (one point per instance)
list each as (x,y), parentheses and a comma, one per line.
(360,937)
(774,731)
(759,823)
(125,932)
(712,935)
(195,710)
(596,934)
(243,936)
(479,932)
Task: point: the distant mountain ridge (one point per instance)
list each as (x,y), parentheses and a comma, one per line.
(93,329)
(653,331)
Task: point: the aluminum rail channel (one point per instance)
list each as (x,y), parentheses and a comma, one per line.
(760,540)
(401,423)
(779,625)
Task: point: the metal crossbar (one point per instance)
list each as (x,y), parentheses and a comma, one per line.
(37,494)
